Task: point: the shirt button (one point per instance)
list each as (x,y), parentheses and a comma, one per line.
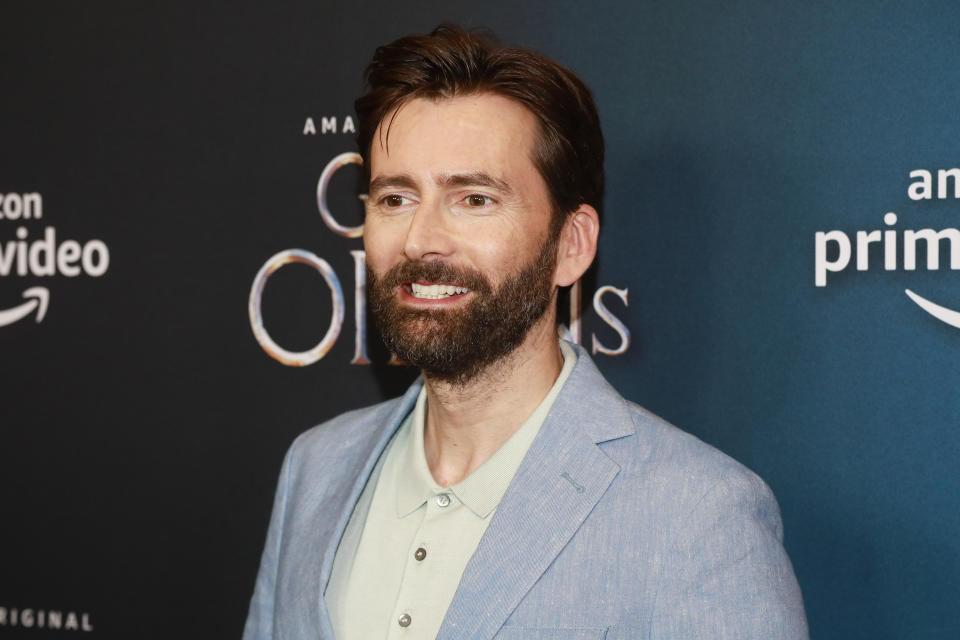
(404,620)
(443,500)
(420,553)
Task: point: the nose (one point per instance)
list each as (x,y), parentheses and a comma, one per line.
(428,236)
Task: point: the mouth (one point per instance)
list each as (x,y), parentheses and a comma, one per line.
(434,291)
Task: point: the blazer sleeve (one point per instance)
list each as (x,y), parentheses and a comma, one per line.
(734,577)
(259,625)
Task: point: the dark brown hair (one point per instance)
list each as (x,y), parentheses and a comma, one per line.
(450,61)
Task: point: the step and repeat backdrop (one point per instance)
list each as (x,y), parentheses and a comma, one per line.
(181,294)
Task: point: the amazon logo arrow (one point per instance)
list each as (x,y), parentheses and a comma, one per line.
(37,298)
(942,314)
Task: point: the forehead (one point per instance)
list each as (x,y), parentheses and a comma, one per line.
(481,132)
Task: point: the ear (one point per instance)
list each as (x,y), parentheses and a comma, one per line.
(578,245)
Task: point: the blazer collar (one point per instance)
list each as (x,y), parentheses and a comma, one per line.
(603,413)
(558,484)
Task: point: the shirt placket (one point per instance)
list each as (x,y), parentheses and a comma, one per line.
(420,604)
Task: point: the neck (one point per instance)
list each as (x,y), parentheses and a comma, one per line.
(466,423)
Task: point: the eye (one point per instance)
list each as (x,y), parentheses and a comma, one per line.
(478,200)
(393,200)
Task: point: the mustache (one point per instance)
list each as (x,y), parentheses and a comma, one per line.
(433,271)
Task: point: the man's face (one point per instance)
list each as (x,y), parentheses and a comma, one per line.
(460,264)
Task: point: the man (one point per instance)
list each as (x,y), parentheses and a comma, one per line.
(511,492)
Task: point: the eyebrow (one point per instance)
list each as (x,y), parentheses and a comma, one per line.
(391,182)
(474,179)
(469,179)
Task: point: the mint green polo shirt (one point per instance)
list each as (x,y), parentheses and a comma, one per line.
(409,539)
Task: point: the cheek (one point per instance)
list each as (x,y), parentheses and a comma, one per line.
(501,254)
(379,247)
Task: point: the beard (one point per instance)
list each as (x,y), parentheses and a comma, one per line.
(455,345)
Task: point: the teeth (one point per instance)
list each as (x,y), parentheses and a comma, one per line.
(436,291)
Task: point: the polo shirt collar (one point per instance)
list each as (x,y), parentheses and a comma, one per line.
(482,490)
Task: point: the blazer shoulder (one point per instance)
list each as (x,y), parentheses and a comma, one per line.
(649,451)
(332,439)
(725,572)
(663,439)
(692,468)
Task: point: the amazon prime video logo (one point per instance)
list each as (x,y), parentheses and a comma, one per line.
(834,250)
(33,252)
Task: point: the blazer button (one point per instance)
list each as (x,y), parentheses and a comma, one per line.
(420,553)
(404,620)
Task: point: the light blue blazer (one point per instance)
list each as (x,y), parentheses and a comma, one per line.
(617,525)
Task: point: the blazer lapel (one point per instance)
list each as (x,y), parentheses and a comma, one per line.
(366,461)
(562,477)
